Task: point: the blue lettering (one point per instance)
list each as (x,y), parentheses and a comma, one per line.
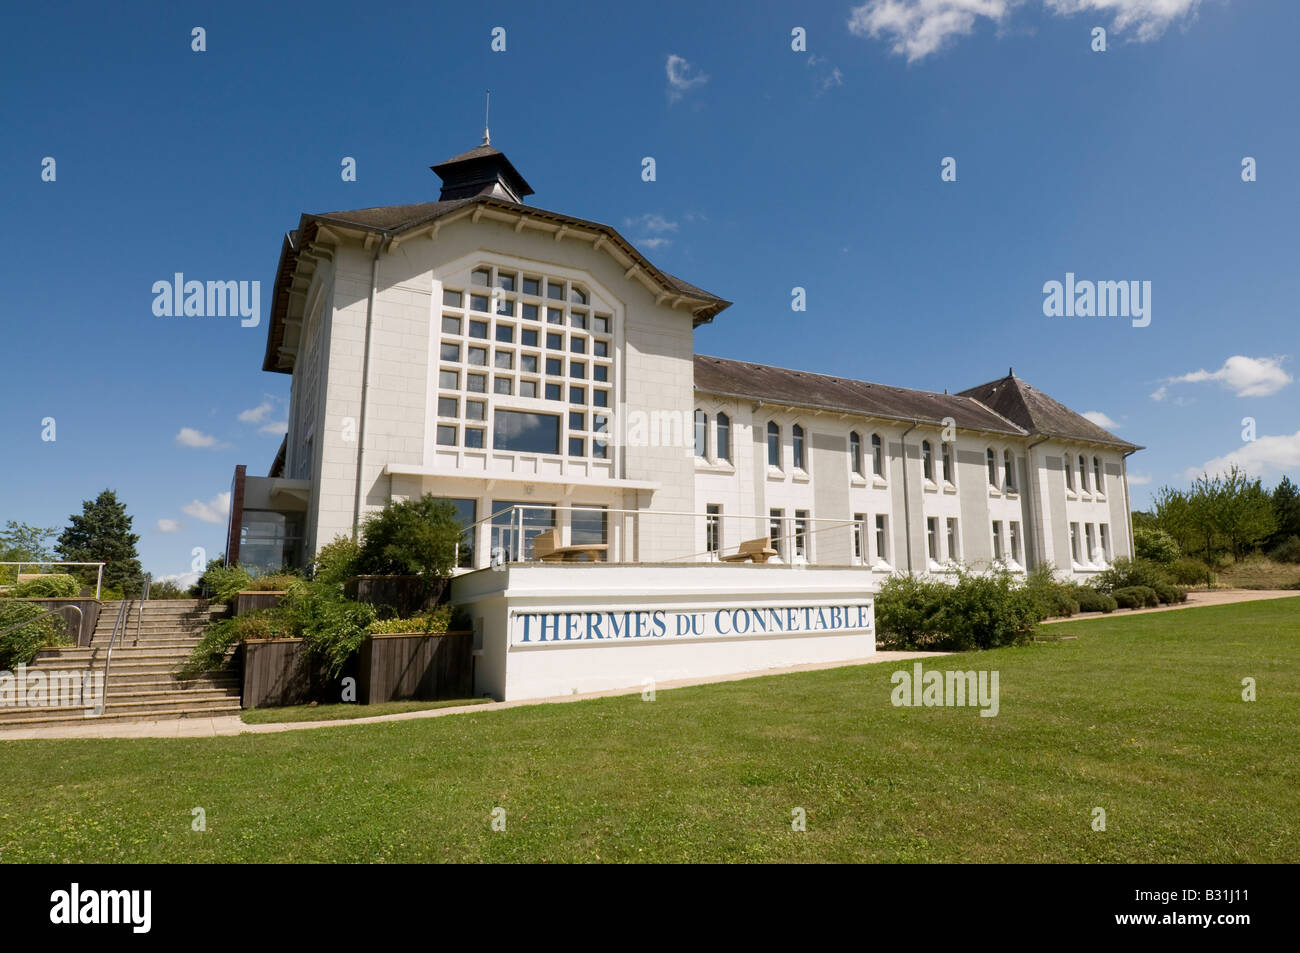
(593,626)
(661,623)
(552,622)
(735,621)
(720,617)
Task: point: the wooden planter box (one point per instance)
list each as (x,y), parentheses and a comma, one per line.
(416,666)
(256,599)
(277,672)
(404,595)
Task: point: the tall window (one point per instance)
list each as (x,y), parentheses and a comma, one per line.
(882,539)
(927,460)
(859,529)
(1104,529)
(724,437)
(1098,482)
(773,444)
(1069,473)
(1074,542)
(855,452)
(775,532)
(1015,540)
(801,533)
(1092,546)
(932,537)
(877,456)
(796,439)
(1083,474)
(991,459)
(1009,470)
(997,539)
(701,434)
(712,528)
(589,526)
(945,448)
(952,540)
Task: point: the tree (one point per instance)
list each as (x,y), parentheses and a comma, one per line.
(101,532)
(1245,512)
(1155,545)
(21,542)
(412,537)
(1286,510)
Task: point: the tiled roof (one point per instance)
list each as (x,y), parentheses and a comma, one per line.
(1039,414)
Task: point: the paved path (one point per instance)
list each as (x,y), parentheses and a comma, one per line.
(233,725)
(1196,599)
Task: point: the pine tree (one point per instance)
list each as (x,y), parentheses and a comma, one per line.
(1286,508)
(102,532)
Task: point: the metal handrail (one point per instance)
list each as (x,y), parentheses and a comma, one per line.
(81,618)
(144,595)
(119,622)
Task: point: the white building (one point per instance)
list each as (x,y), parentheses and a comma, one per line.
(502,355)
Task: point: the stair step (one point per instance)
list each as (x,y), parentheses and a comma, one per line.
(114,712)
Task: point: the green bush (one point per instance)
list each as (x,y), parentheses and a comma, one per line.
(1126,573)
(337,561)
(1090,600)
(1136,597)
(412,538)
(272,582)
(54,585)
(1287,551)
(907,610)
(1053,597)
(1191,572)
(988,611)
(223,583)
(166,589)
(221,635)
(1155,545)
(436,622)
(1169,594)
(20,646)
(331,627)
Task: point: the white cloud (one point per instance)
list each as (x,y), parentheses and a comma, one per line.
(214,511)
(255,415)
(277,427)
(833,78)
(653,243)
(917,28)
(682,77)
(189,437)
(1259,457)
(1139,479)
(1244,376)
(650,222)
(182,579)
(1100,419)
(168,526)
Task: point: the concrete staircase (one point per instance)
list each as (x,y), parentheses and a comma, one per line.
(142,685)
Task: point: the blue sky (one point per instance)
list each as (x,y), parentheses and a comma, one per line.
(775,169)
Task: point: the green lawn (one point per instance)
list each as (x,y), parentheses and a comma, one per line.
(262,716)
(1140,715)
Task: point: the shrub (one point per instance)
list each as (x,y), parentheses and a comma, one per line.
(1053,597)
(272,582)
(20,646)
(223,634)
(337,561)
(1136,597)
(1090,600)
(436,622)
(1170,594)
(907,609)
(984,612)
(412,538)
(166,589)
(54,585)
(1287,551)
(331,627)
(1155,545)
(1191,572)
(1126,573)
(223,583)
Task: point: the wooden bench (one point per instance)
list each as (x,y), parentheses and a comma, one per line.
(752,551)
(547,548)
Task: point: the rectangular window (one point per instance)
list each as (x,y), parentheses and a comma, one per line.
(476,383)
(712,528)
(555,291)
(531,313)
(505,360)
(600,324)
(474,410)
(451,299)
(578,320)
(446,436)
(466,511)
(882,539)
(952,539)
(555,366)
(533,286)
(1104,529)
(528,363)
(997,539)
(1015,540)
(775,532)
(946,449)
(1092,546)
(1074,542)
(554,316)
(448,407)
(478,357)
(478,329)
(526,432)
(577,395)
(577,369)
(600,398)
(588,526)
(600,348)
(449,352)
(859,529)
(932,537)
(1098,480)
(528,388)
(505,334)
(503,385)
(450,325)
(801,533)
(578,345)
(577,447)
(701,434)
(555,342)
(474,438)
(478,302)
(449,380)
(577,420)
(515,525)
(554,392)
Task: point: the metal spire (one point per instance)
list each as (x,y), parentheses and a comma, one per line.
(487,136)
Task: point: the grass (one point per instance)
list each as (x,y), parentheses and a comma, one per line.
(1140,715)
(1260,572)
(262,716)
